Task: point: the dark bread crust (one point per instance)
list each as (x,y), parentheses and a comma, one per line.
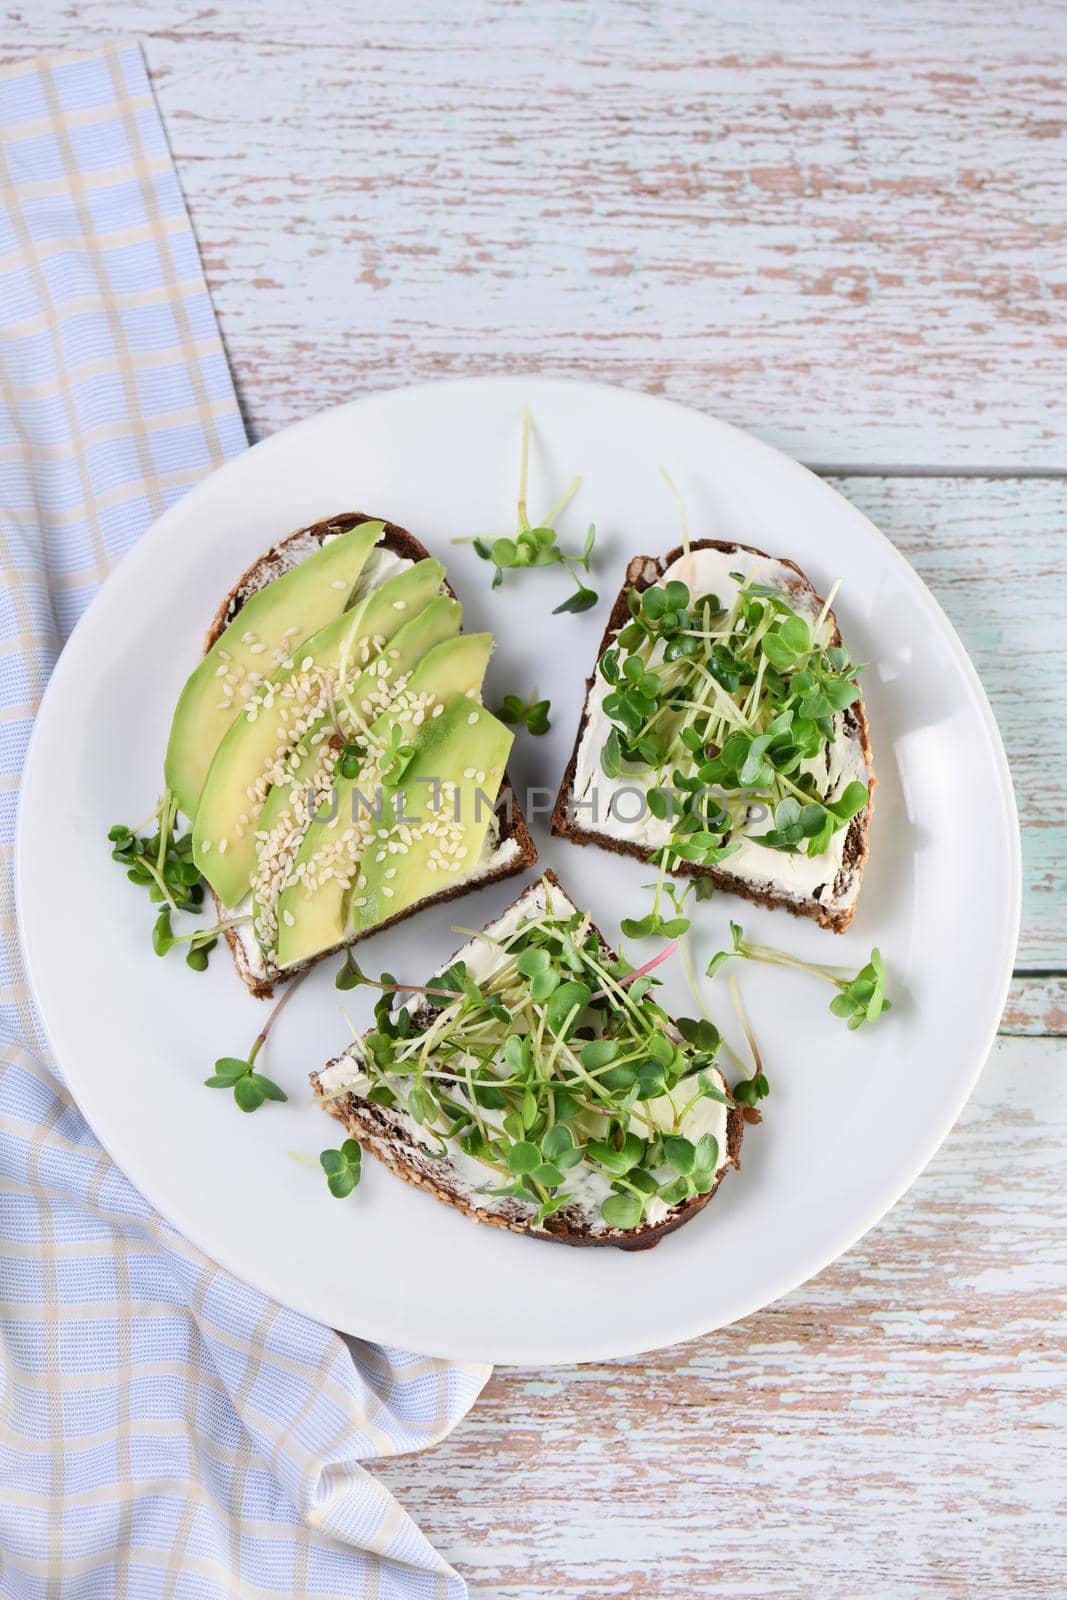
(378,1129)
(280,558)
(641,572)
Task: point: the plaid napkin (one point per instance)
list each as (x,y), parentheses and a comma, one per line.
(163,1429)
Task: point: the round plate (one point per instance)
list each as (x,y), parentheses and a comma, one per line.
(852,1118)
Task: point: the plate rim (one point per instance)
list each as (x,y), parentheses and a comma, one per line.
(583,1348)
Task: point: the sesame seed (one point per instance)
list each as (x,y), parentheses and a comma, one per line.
(222,847)
(479,777)
(438,710)
(391,873)
(338,583)
(288,918)
(256,649)
(388,893)
(472,719)
(205,846)
(307,664)
(400,605)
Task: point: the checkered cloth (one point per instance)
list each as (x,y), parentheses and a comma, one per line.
(163,1429)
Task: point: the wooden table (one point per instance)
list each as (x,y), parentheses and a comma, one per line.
(842,226)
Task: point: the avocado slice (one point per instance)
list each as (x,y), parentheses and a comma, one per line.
(311,765)
(266,629)
(312,911)
(463,754)
(252,751)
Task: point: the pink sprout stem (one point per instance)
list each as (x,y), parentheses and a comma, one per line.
(639,972)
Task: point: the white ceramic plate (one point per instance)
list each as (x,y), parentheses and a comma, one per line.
(852,1119)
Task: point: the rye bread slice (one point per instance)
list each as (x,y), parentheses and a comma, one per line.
(388,1135)
(640,574)
(511,824)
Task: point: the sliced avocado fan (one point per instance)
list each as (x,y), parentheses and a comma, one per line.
(252,753)
(312,908)
(266,630)
(310,765)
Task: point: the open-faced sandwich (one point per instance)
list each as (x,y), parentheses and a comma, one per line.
(724,735)
(536,1084)
(332,750)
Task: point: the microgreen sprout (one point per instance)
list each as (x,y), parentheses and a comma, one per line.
(161,861)
(396,757)
(201,941)
(350,760)
(342,1168)
(251,1088)
(560,1057)
(531,714)
(748,1092)
(538,546)
(654,922)
(861,996)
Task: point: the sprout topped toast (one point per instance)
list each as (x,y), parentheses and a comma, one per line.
(537,1085)
(724,735)
(335,682)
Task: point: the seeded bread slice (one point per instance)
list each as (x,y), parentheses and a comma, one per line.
(514,851)
(832,905)
(392,1136)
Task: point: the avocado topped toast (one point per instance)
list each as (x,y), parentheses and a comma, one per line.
(724,734)
(536,1084)
(306,750)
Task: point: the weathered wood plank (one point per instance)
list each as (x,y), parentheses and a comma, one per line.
(840,225)
(1037,1006)
(993,552)
(894,1430)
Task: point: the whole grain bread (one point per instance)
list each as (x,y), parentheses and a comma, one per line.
(381,1130)
(510,822)
(640,574)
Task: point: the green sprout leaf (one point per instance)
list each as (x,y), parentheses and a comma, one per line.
(342,1168)
(539,546)
(622,1211)
(250,1088)
(531,714)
